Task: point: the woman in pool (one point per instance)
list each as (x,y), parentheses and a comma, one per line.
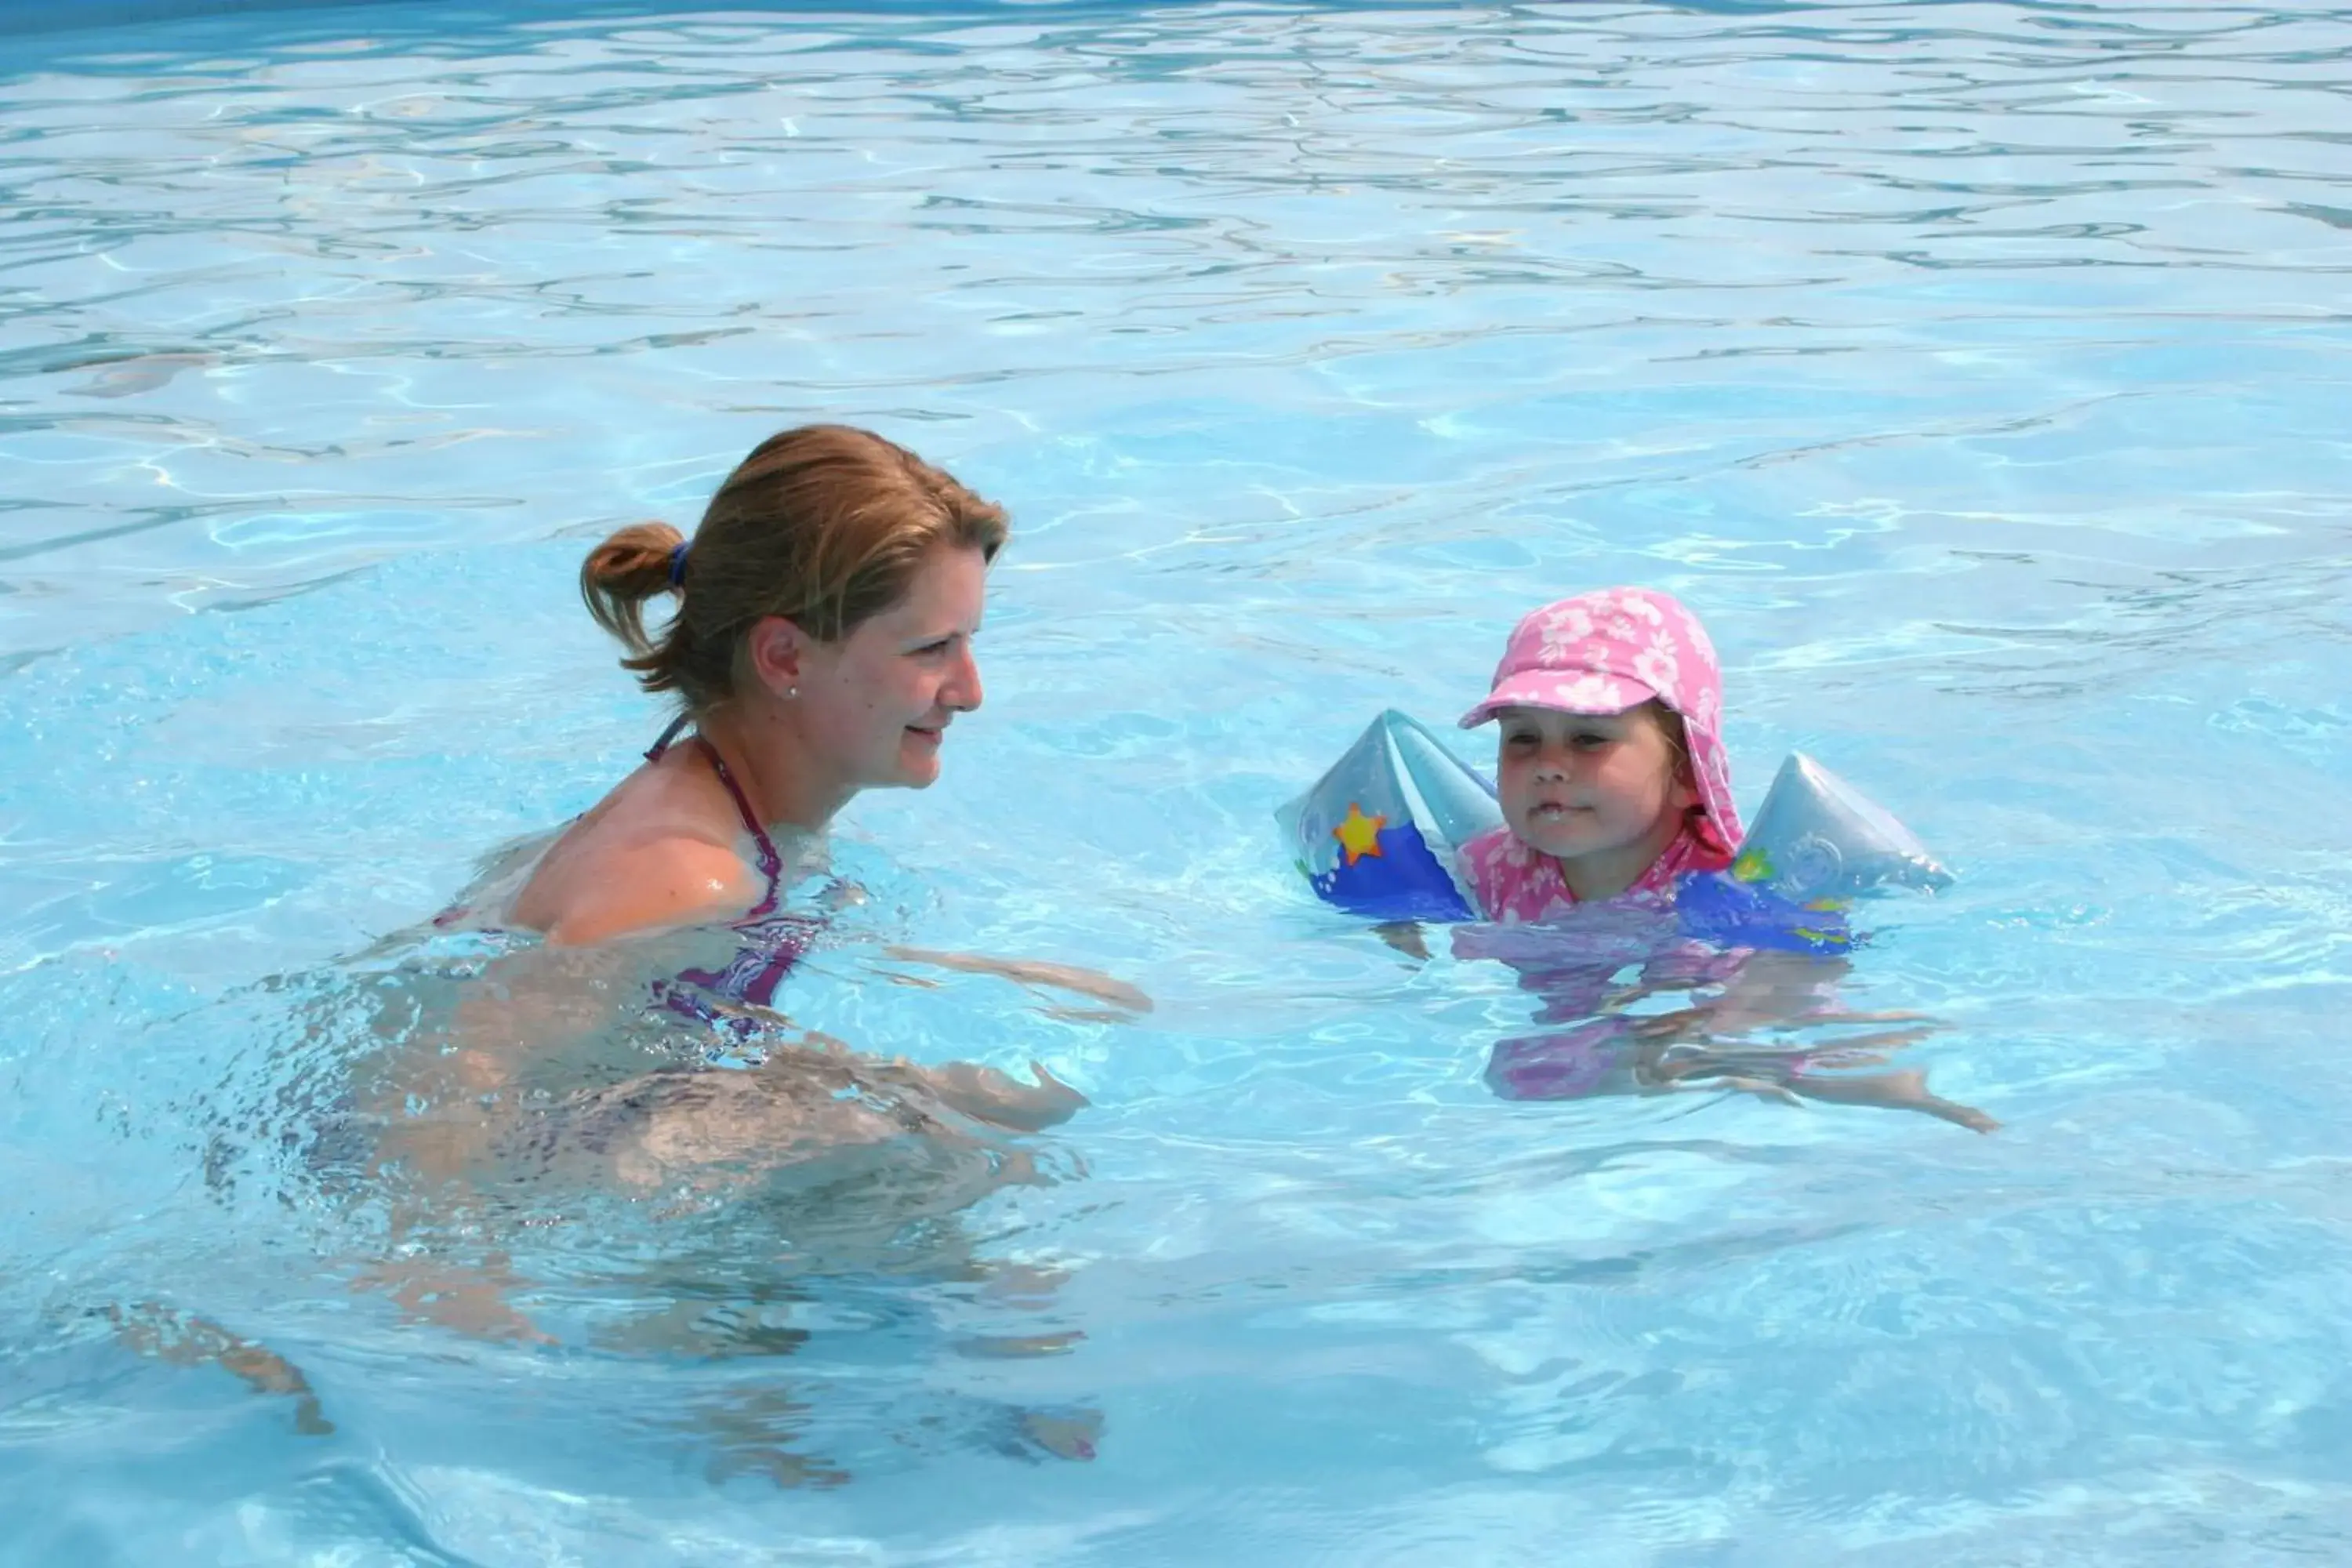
(821,645)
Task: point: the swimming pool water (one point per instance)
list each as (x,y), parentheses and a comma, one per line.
(1976,372)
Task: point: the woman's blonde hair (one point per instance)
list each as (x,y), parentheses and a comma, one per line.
(823,525)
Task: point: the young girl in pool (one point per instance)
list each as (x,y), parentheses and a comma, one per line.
(1614,785)
(1610,766)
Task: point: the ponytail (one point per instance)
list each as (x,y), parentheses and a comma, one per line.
(621,573)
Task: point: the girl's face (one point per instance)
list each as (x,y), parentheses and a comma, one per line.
(878,702)
(1602,792)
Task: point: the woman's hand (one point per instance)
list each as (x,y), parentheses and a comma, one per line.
(987,1095)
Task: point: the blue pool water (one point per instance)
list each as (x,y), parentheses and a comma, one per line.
(1977,370)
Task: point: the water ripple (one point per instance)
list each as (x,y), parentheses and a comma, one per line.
(792,214)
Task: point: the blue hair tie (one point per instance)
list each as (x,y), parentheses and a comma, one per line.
(678,565)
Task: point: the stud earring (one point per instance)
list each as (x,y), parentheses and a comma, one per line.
(791,691)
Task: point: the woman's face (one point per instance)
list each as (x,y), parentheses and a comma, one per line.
(878,703)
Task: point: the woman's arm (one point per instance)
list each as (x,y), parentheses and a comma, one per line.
(1031,972)
(998,1099)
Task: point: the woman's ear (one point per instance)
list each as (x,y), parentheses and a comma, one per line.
(776,649)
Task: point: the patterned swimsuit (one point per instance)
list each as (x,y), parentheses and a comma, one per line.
(770,941)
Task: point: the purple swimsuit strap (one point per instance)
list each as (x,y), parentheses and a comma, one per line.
(772,864)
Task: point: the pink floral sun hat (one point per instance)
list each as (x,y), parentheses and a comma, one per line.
(1607,651)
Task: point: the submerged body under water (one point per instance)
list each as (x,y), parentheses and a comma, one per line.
(683,1186)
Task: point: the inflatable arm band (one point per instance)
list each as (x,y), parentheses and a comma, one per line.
(1377,835)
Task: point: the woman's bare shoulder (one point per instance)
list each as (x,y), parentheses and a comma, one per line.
(645,887)
(646,858)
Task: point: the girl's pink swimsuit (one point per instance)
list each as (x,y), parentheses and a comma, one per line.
(1570,954)
(1516,885)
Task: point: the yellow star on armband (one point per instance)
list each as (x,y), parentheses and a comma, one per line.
(1359,834)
